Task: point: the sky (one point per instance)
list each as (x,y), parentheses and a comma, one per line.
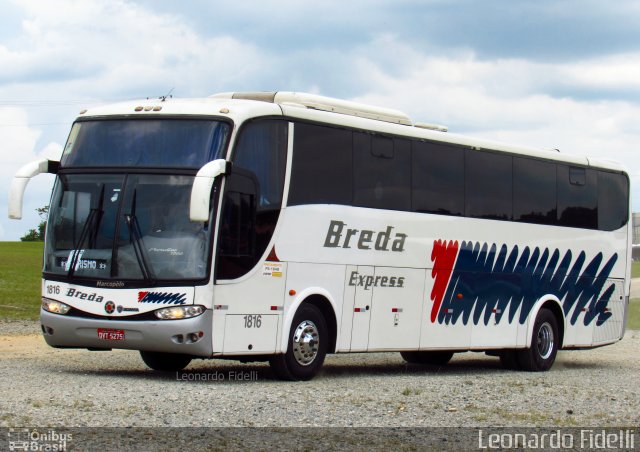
(552,74)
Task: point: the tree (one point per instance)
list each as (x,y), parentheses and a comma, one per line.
(37,235)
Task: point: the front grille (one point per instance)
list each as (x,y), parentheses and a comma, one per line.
(74,312)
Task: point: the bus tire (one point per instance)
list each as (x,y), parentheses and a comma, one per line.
(165,362)
(509,359)
(544,344)
(435,358)
(307,346)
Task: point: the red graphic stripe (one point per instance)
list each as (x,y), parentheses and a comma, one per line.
(141,295)
(443,257)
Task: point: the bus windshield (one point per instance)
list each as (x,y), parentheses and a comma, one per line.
(140,143)
(121,224)
(125,227)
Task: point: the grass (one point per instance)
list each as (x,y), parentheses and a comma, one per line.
(633,322)
(20,276)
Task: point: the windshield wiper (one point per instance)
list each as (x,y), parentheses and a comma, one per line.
(138,244)
(77,252)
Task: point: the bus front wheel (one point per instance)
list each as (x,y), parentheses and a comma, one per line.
(307,346)
(165,362)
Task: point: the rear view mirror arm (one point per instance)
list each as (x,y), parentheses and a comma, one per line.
(22,178)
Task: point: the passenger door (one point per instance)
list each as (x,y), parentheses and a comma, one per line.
(357,305)
(395,308)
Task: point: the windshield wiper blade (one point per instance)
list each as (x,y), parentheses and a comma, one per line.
(138,243)
(77,252)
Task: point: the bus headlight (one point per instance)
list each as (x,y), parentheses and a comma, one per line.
(54,306)
(179,312)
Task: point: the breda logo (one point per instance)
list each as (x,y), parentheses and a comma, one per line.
(340,236)
(109,307)
(71,292)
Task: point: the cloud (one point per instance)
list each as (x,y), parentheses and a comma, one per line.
(98,51)
(507,100)
(482,94)
(108,48)
(18,148)
(540,30)
(613,76)
(544,31)
(16,135)
(566,80)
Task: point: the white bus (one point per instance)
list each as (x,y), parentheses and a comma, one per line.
(285,226)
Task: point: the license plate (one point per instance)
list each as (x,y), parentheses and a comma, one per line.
(109,334)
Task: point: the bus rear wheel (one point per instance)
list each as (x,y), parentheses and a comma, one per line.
(436,358)
(307,346)
(165,362)
(544,344)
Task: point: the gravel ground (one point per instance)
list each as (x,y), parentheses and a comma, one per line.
(76,388)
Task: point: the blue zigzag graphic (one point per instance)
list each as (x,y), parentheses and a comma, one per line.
(488,279)
(162,298)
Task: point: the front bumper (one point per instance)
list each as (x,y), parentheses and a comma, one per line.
(170,336)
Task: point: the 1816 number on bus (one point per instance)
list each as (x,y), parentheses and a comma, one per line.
(252,321)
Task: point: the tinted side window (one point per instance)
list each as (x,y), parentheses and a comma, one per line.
(613,201)
(438,178)
(262,150)
(322,166)
(534,191)
(488,191)
(253,197)
(577,197)
(382,172)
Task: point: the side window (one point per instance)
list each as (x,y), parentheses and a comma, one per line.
(382,172)
(262,150)
(577,197)
(489,185)
(322,166)
(438,178)
(613,201)
(253,196)
(534,191)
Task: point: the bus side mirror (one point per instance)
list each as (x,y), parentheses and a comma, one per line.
(22,178)
(201,190)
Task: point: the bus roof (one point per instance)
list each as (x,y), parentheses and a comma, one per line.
(242,106)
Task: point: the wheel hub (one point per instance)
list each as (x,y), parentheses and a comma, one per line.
(545,340)
(305,342)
